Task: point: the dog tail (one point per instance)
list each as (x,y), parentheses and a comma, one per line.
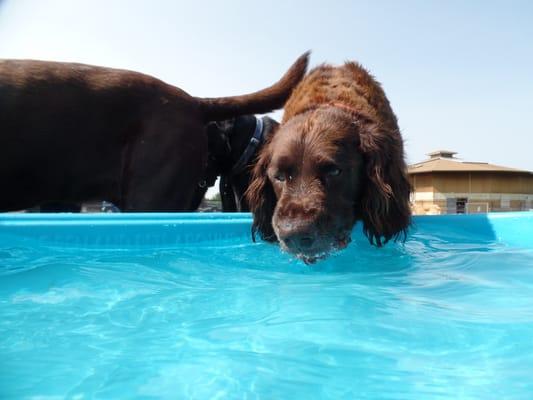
(263,101)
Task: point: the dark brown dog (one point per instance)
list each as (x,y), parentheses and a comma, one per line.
(71,133)
(336,158)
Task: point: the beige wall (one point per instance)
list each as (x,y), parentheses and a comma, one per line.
(422,182)
(449,182)
(483,182)
(473,182)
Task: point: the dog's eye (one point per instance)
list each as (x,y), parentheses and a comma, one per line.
(283,176)
(332,170)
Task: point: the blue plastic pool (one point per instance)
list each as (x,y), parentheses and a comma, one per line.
(185,306)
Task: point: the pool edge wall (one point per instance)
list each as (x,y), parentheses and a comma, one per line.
(171,229)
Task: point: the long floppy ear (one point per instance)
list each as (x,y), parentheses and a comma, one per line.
(261,198)
(384,205)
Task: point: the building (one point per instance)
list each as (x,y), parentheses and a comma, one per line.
(444,184)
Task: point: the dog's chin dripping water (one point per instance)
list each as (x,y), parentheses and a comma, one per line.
(339,244)
(311,258)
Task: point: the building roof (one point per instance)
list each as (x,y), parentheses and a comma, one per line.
(442,153)
(444,161)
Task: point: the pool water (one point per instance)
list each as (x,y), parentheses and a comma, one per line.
(447,315)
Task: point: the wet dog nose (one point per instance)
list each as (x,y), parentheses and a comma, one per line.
(300,241)
(298,234)
(305,242)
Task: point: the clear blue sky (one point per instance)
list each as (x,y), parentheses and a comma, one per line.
(459,74)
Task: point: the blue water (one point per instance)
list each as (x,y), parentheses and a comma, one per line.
(429,319)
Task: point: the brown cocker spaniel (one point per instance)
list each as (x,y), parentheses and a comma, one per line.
(336,158)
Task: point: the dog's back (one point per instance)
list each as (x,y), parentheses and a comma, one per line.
(72,132)
(350,84)
(62,123)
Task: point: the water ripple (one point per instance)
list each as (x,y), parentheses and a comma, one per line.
(424,319)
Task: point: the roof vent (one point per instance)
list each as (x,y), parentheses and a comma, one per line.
(442,154)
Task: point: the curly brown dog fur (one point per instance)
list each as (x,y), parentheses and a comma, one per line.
(336,158)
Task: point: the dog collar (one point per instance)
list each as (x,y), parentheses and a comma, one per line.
(257,138)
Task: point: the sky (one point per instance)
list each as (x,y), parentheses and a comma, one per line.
(459,74)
